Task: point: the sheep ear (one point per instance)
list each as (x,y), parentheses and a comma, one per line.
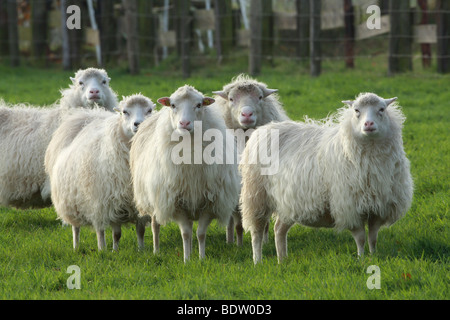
(348,102)
(109,79)
(389,101)
(221,94)
(268,92)
(207,101)
(116,109)
(72,79)
(165,101)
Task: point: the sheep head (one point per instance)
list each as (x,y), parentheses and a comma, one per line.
(245,98)
(91,85)
(370,119)
(186,106)
(134,110)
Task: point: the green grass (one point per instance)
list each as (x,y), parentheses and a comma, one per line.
(413,254)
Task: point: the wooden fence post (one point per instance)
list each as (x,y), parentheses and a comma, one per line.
(426,47)
(223,27)
(131,28)
(443,38)
(75,37)
(255,37)
(66,61)
(13,33)
(314,38)
(302,29)
(267,31)
(39,30)
(4,50)
(147,27)
(400,37)
(108,28)
(184,22)
(349,40)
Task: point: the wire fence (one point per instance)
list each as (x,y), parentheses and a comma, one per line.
(191,33)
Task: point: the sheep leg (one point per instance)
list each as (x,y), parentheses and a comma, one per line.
(185,226)
(155,231)
(375,223)
(116,233)
(101,242)
(281,229)
(239,231)
(203,224)
(266,232)
(230,231)
(76,237)
(257,233)
(140,231)
(359,234)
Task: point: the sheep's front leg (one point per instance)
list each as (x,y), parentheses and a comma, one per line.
(76,237)
(257,233)
(140,231)
(375,224)
(101,242)
(359,234)
(116,233)
(185,226)
(239,230)
(203,224)
(266,232)
(281,229)
(230,231)
(155,231)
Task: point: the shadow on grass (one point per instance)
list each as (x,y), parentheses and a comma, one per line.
(28,219)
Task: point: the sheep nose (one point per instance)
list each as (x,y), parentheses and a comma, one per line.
(368,124)
(247,114)
(184,124)
(136,124)
(94,91)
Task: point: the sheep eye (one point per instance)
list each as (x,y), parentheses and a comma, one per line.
(149,111)
(125,112)
(382,110)
(357,112)
(104,81)
(231,99)
(260,97)
(199,105)
(173,106)
(81,83)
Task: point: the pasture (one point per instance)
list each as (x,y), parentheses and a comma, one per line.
(413,254)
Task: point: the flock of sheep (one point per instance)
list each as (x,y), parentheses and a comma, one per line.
(102,162)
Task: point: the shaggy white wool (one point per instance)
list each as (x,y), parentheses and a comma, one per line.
(89,176)
(330,174)
(25,133)
(182,192)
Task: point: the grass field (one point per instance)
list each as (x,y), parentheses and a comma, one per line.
(413,254)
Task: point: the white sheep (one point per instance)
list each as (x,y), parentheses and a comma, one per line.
(175,180)
(341,173)
(246,103)
(90,178)
(25,133)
